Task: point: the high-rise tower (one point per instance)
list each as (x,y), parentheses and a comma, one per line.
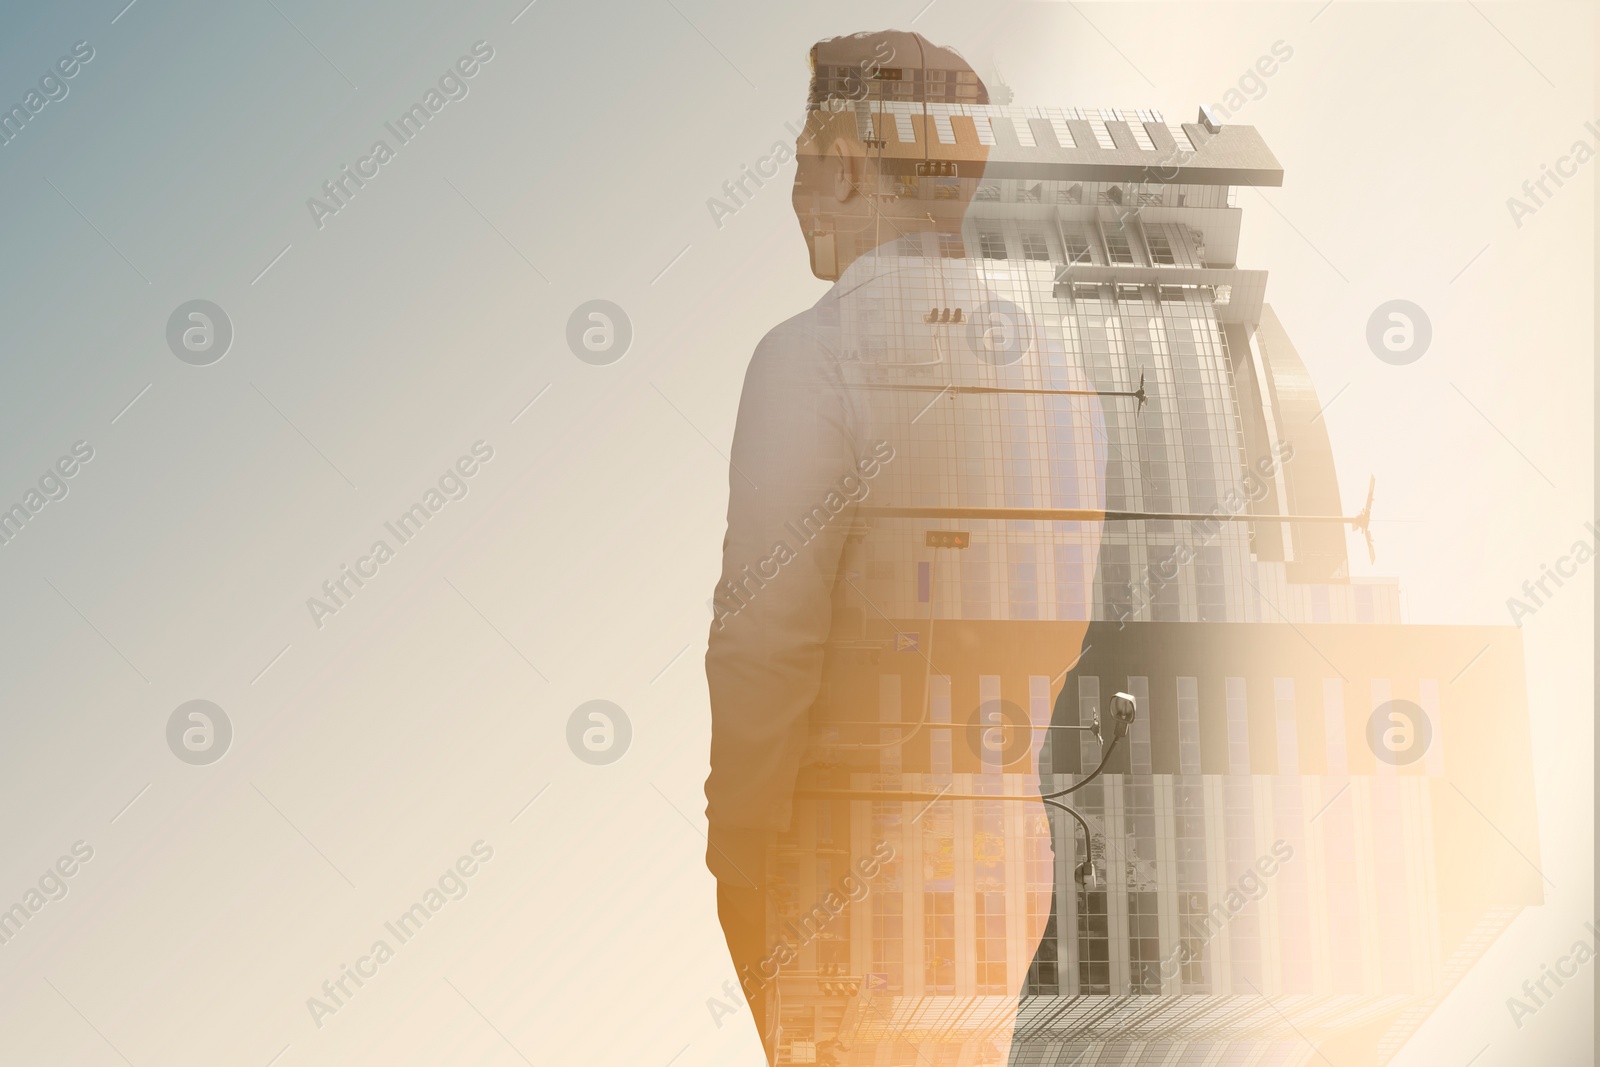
(1288,854)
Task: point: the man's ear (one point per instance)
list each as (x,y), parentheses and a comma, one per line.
(846,168)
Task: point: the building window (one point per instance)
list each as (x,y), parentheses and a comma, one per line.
(993,245)
(888,903)
(1058,125)
(1243,927)
(938,896)
(833,941)
(1139,747)
(1071,586)
(1094,945)
(1078,249)
(1044,974)
(1088,708)
(939,942)
(1333,725)
(1102,136)
(1072,194)
(1161,250)
(1117,247)
(1238,727)
(1211,590)
(1188,725)
(1292,892)
(1029,194)
(888,920)
(1141,136)
(1033,246)
(951,246)
(1288,735)
(1023,575)
(1389,851)
(1196,925)
(1139,876)
(990,955)
(1144,944)
(987,192)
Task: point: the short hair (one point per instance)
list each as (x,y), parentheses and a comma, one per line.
(847,68)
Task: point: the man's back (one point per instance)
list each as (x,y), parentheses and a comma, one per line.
(918,384)
(878,433)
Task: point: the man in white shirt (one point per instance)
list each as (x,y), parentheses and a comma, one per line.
(877,432)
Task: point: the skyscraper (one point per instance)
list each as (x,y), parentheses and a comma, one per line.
(1288,854)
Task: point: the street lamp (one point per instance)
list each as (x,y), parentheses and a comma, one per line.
(1124,709)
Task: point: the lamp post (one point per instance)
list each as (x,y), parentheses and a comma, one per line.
(1124,709)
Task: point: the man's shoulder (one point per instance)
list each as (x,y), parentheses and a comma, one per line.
(811,335)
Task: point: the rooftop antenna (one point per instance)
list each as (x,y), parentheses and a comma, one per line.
(1363,520)
(922,59)
(1000,92)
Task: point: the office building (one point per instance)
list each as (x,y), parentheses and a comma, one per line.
(1275,879)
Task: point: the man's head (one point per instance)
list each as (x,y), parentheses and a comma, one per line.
(857,185)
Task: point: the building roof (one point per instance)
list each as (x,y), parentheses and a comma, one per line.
(1078,144)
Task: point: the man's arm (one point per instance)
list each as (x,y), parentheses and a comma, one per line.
(794,442)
